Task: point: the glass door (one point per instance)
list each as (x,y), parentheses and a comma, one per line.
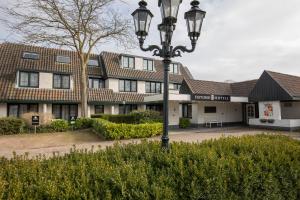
(250,112)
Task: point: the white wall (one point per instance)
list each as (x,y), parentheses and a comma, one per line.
(174,113)
(290,112)
(226,112)
(141,88)
(283,123)
(46,80)
(3,110)
(276,109)
(139,63)
(112,84)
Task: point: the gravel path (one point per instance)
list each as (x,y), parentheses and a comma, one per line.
(61,143)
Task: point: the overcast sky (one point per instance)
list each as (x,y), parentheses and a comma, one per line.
(239,38)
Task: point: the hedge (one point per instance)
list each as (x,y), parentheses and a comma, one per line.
(184,123)
(136,117)
(250,167)
(10,125)
(116,131)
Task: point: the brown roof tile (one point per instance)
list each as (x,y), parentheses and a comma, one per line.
(113,69)
(242,89)
(289,83)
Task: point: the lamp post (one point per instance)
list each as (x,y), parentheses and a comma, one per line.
(169,12)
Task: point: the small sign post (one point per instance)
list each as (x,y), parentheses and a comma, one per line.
(35,121)
(72,121)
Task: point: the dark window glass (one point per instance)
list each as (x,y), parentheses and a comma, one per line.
(155,107)
(30,55)
(61,81)
(99,109)
(29,79)
(148,65)
(128,62)
(93,63)
(96,83)
(177,86)
(63,59)
(174,68)
(17,110)
(64,111)
(127,108)
(187,110)
(153,87)
(127,86)
(210,109)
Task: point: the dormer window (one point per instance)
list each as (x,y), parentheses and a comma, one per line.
(63,59)
(128,62)
(31,55)
(93,63)
(148,65)
(174,69)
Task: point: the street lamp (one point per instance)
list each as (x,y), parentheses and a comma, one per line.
(169,12)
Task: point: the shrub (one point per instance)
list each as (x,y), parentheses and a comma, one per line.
(116,131)
(146,116)
(83,123)
(10,125)
(184,123)
(250,167)
(59,125)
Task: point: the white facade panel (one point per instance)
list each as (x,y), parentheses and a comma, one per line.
(46,80)
(112,84)
(174,113)
(3,110)
(139,63)
(141,88)
(239,99)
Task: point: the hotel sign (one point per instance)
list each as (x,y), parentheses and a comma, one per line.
(199,97)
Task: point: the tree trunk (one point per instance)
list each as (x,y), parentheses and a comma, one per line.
(84,91)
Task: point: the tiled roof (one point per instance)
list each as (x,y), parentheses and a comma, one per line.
(290,83)
(113,70)
(11,61)
(241,89)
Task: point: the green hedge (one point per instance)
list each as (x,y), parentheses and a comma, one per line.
(184,123)
(136,117)
(250,167)
(10,125)
(116,131)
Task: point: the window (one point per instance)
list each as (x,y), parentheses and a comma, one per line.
(63,59)
(187,110)
(126,109)
(177,86)
(93,63)
(148,65)
(30,55)
(210,109)
(153,87)
(128,62)
(61,81)
(174,68)
(96,83)
(127,86)
(155,107)
(99,109)
(29,79)
(17,110)
(64,111)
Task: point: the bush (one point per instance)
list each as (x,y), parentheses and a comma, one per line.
(59,125)
(116,131)
(10,125)
(83,123)
(184,123)
(250,167)
(146,116)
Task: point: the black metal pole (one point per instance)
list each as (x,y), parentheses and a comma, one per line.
(165,136)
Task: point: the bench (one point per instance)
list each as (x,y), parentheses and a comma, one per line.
(218,123)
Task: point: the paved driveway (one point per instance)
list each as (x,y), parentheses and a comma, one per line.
(61,143)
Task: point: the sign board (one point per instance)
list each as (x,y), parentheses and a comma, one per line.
(205,97)
(73,119)
(35,120)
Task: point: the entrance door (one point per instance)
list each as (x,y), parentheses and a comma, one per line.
(250,112)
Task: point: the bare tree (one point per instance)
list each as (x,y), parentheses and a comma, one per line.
(77,24)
